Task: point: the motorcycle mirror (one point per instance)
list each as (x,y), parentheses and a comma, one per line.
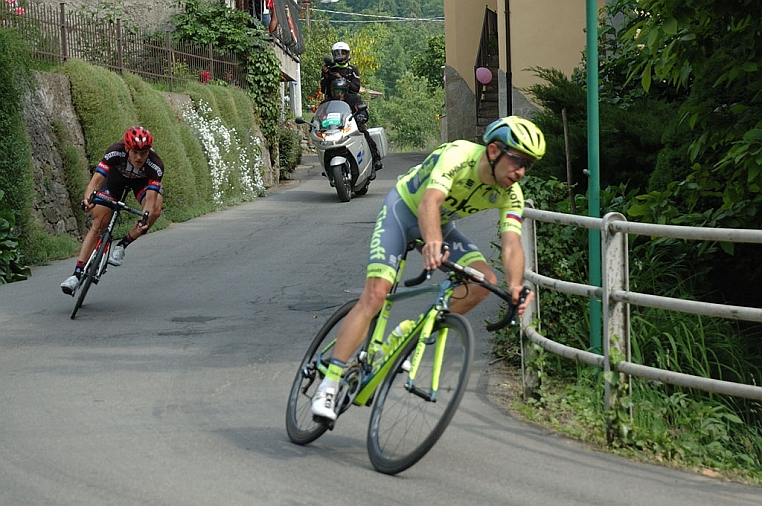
(362,107)
(301,120)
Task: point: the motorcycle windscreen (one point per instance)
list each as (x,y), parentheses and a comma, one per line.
(332,114)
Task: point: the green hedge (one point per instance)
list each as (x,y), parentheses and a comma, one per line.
(210,162)
(15,157)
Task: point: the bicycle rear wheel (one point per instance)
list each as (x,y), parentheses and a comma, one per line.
(300,426)
(91,271)
(406,423)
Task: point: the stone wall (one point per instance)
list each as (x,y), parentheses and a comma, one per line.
(149,15)
(460,107)
(50,104)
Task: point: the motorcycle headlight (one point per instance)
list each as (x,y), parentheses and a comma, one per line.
(332,137)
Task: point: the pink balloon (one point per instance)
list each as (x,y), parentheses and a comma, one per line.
(484,75)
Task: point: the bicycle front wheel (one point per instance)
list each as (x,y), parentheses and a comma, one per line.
(91,271)
(300,426)
(409,416)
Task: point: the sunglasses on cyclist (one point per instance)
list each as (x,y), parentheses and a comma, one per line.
(518,161)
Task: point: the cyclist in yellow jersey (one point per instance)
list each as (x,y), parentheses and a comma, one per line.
(458,179)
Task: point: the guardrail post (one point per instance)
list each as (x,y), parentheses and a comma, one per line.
(616,329)
(530,375)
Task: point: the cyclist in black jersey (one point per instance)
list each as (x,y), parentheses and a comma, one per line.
(129,163)
(340,67)
(456,180)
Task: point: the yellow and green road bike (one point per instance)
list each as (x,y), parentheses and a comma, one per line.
(415,389)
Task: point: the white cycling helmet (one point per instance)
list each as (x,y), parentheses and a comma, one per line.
(340,52)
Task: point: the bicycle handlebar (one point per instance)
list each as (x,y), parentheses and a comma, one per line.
(511,313)
(477,277)
(107,200)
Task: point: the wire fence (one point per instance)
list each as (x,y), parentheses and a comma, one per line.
(56,35)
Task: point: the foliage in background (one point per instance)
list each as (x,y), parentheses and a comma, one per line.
(15,156)
(710,171)
(76,173)
(228,118)
(12,267)
(290,149)
(411,117)
(429,63)
(630,137)
(237,31)
(712,49)
(386,55)
(97,94)
(671,424)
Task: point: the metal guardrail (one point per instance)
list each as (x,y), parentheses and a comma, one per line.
(616,299)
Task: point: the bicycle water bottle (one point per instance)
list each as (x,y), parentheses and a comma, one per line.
(390,344)
(381,350)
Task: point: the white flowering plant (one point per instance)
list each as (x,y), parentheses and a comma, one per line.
(235,158)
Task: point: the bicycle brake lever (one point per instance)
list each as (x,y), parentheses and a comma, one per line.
(522,298)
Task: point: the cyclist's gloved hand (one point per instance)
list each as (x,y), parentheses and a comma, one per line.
(521,297)
(142,228)
(87,205)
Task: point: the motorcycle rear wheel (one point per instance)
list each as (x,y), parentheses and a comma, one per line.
(364,189)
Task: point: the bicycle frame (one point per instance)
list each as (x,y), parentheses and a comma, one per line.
(91,273)
(108,237)
(422,327)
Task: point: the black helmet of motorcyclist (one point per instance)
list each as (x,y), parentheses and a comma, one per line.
(339,88)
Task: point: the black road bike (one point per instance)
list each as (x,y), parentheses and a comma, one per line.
(97,264)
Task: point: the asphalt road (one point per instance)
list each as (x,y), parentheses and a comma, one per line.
(170,386)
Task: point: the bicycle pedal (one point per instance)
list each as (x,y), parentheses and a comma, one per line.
(329,424)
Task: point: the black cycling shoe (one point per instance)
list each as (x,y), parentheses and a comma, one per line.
(377,165)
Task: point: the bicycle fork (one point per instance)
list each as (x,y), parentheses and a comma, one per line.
(439,339)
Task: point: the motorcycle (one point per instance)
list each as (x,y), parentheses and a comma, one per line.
(341,147)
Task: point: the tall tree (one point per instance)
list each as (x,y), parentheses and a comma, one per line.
(715,50)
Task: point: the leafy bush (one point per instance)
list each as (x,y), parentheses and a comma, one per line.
(11,265)
(411,117)
(98,93)
(290,149)
(239,32)
(15,150)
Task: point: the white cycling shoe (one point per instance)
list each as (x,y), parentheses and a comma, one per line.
(69,284)
(116,258)
(323,403)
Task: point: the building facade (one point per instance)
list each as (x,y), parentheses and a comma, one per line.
(507,38)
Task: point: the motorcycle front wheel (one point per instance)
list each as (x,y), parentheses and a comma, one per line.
(342,183)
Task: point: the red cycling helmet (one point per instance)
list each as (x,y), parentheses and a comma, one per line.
(137,138)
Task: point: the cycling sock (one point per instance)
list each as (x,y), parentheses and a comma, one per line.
(335,368)
(126,241)
(79,268)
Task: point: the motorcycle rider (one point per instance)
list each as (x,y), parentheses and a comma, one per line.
(340,67)
(339,91)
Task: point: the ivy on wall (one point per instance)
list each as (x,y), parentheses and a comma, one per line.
(237,31)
